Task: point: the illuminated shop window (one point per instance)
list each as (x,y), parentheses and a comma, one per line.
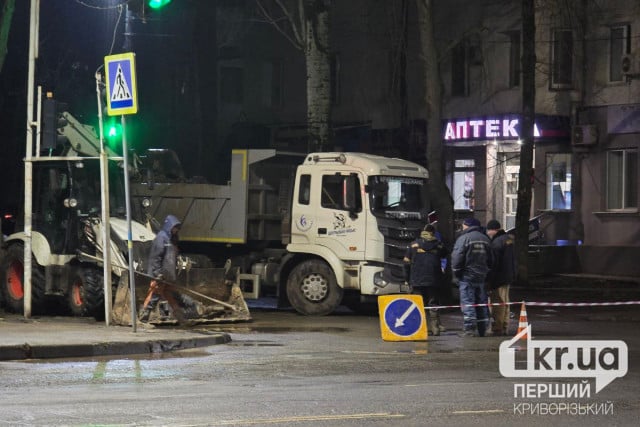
(558,167)
(464,184)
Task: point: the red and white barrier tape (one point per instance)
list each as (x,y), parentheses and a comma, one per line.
(541,304)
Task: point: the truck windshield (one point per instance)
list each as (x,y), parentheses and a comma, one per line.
(397,196)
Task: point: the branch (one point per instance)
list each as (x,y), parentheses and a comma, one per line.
(296,41)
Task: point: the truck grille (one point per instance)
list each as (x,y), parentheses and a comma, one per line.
(397,238)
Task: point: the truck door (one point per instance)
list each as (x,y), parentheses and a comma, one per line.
(341,224)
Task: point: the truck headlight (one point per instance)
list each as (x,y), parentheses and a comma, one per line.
(379,281)
(146,202)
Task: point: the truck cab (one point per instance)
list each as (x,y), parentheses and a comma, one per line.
(355,213)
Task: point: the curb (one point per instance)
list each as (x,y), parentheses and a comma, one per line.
(46,351)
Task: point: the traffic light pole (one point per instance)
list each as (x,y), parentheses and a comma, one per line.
(132,276)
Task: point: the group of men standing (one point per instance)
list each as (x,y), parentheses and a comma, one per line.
(483,267)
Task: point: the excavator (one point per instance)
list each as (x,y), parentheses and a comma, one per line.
(68,248)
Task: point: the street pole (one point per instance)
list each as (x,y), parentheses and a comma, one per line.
(28,165)
(132,275)
(106,211)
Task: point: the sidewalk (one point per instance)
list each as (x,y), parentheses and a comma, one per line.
(60,337)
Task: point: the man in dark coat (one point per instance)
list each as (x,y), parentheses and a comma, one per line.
(502,275)
(471,260)
(423,271)
(162,261)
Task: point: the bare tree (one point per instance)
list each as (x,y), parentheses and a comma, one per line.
(5,24)
(439,192)
(305,23)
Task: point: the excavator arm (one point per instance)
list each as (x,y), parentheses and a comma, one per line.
(83,140)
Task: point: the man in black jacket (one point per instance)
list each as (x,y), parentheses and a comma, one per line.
(423,271)
(471,260)
(501,276)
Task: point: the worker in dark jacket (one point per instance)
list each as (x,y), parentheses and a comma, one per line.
(502,275)
(423,271)
(163,255)
(471,260)
(162,263)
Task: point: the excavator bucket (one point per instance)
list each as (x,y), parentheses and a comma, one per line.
(199,296)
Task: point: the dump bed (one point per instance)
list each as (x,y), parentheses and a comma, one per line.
(251,207)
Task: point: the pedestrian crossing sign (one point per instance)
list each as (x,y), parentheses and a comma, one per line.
(121,84)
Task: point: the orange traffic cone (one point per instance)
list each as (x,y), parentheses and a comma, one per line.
(523,322)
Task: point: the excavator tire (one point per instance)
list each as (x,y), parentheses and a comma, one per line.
(12,276)
(85,296)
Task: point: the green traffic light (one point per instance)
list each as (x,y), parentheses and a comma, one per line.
(113,132)
(157,4)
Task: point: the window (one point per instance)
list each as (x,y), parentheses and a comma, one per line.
(619,45)
(231,85)
(334,193)
(562,59)
(514,59)
(558,167)
(622,180)
(335,79)
(272,83)
(463,184)
(304,195)
(459,70)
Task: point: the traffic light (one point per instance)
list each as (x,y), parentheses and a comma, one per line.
(157,4)
(112,132)
(49,124)
(52,120)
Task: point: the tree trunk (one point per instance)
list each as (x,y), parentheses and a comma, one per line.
(318,65)
(438,190)
(206,97)
(525,176)
(5,24)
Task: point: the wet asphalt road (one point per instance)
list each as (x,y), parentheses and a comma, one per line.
(288,370)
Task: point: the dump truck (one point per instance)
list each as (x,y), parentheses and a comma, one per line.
(67,243)
(314,230)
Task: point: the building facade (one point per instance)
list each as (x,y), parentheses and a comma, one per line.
(587,126)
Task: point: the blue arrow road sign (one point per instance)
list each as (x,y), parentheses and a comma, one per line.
(121,84)
(403,317)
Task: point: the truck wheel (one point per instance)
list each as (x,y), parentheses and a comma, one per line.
(12,271)
(86,292)
(312,288)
